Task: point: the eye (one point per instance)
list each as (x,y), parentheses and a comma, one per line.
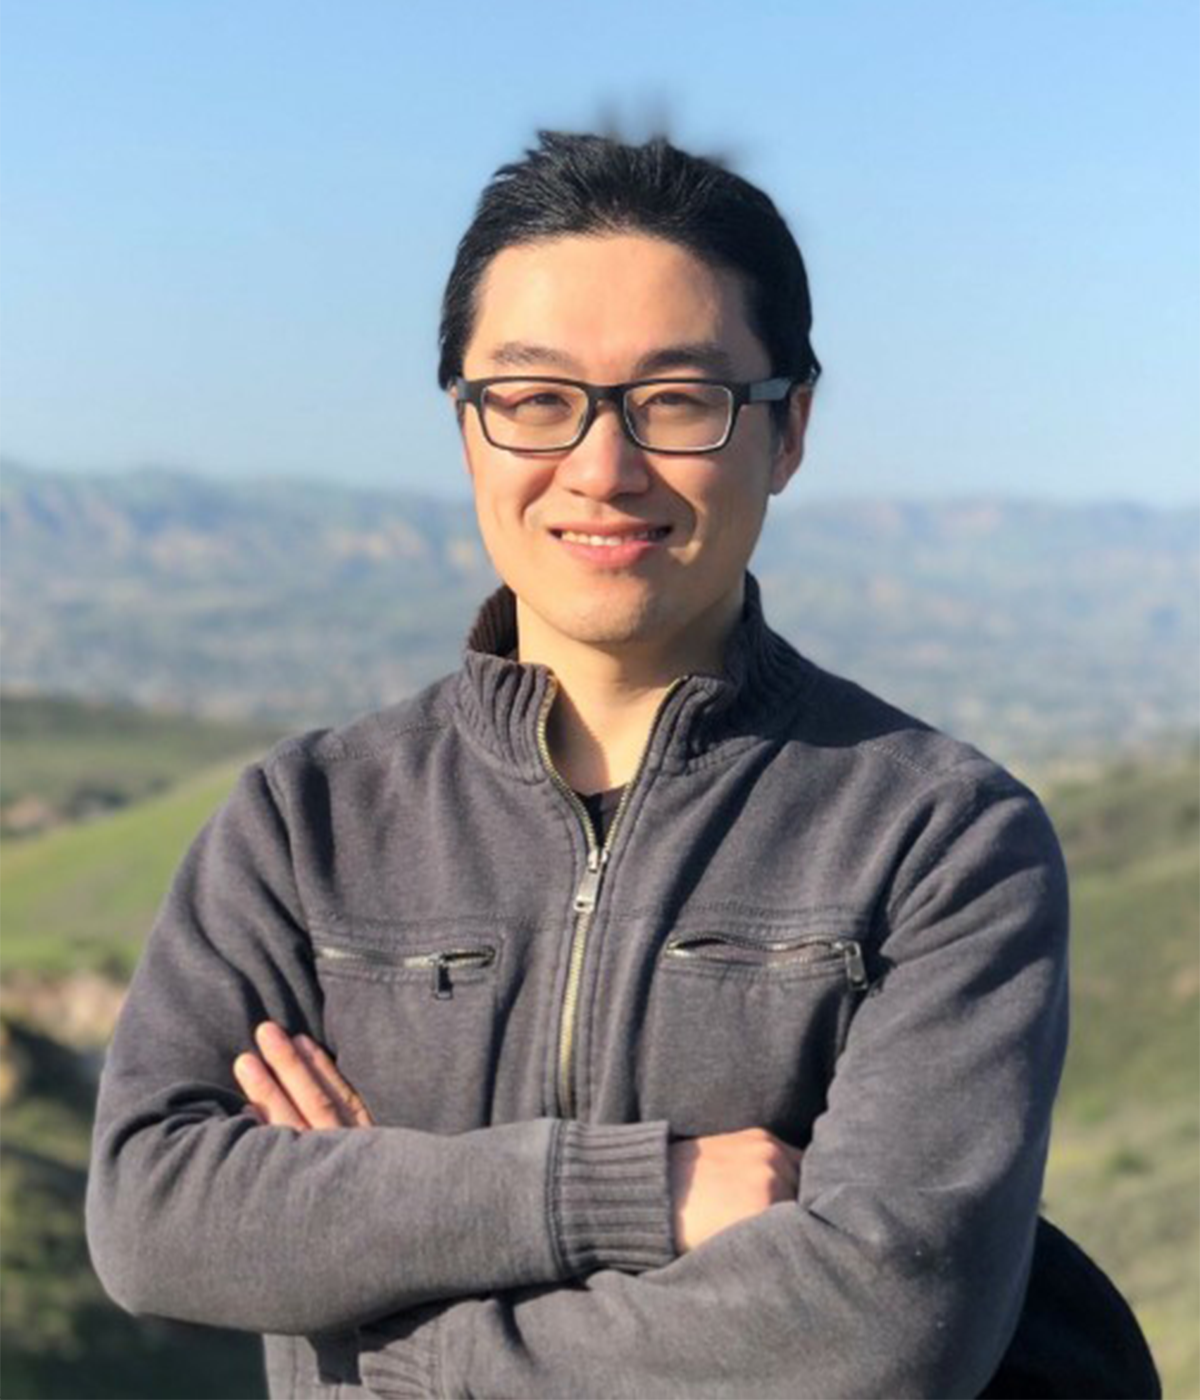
(532,403)
(671,398)
(680,400)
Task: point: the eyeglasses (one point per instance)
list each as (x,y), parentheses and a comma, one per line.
(660,415)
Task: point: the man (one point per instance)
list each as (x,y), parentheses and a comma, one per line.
(693,1017)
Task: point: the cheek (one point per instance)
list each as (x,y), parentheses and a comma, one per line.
(496,520)
(730,510)
(506,495)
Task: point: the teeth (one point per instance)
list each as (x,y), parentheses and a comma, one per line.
(609,541)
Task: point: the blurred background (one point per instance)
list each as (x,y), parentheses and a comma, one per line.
(232,502)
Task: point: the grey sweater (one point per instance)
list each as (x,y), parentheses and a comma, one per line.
(813,914)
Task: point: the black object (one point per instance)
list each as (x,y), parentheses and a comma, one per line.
(1077,1338)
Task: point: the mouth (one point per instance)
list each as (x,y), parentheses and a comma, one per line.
(613,538)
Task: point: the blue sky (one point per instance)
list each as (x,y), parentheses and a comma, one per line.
(226,224)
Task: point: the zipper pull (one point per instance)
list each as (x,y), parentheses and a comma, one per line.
(443,989)
(856,970)
(589,886)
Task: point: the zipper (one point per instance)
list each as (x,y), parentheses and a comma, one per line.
(442,965)
(706,947)
(583,905)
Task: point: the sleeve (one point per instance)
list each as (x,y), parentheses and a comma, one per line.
(901,1268)
(197,1212)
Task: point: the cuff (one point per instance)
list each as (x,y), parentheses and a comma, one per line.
(398,1357)
(610,1197)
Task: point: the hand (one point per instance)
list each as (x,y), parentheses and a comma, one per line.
(293,1083)
(720,1180)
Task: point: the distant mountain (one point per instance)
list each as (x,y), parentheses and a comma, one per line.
(1028,628)
(265,598)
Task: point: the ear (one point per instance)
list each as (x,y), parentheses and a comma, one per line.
(789,443)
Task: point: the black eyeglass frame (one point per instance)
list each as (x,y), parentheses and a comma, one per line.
(774,390)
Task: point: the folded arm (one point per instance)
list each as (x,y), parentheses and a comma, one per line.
(199,1212)
(901,1268)
(716,1181)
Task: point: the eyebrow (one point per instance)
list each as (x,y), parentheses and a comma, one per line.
(519,354)
(707,356)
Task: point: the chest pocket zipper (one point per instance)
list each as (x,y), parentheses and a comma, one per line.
(732,950)
(442,964)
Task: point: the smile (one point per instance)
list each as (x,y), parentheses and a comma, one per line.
(613,541)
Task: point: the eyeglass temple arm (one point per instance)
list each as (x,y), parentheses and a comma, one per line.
(769,390)
(772,390)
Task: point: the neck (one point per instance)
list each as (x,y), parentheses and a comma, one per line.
(609,695)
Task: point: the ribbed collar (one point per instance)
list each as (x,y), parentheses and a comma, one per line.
(500,700)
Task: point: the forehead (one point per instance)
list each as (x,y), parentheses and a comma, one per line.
(606,302)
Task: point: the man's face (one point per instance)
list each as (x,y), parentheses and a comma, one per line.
(609,309)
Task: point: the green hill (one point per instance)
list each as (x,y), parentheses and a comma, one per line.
(82,898)
(76,901)
(62,1336)
(122,792)
(67,758)
(1124,1174)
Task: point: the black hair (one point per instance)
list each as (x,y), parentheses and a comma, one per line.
(585,184)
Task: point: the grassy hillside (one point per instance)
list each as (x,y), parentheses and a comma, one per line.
(82,898)
(74,757)
(1124,1174)
(62,1335)
(75,900)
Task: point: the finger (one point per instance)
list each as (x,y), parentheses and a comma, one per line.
(311,1097)
(354,1110)
(785,1169)
(785,1149)
(265,1094)
(794,1155)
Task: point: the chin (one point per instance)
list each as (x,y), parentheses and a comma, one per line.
(611,622)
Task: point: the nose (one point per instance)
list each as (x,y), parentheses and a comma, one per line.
(607,463)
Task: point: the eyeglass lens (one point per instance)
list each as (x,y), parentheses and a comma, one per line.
(536,415)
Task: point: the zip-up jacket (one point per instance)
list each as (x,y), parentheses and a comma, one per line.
(812,914)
